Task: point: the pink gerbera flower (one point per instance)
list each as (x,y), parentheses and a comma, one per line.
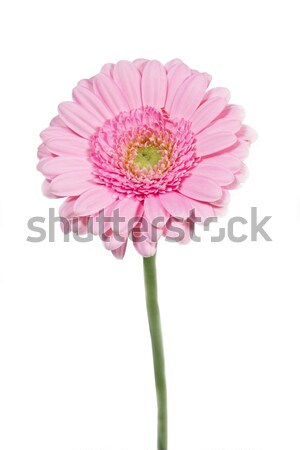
(149,141)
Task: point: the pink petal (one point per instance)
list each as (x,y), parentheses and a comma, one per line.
(220,211)
(119,253)
(176,204)
(57,122)
(183,232)
(234,112)
(206,113)
(111,94)
(140,64)
(93,201)
(234,185)
(243,174)
(112,241)
(176,76)
(128,79)
(217,92)
(43,152)
(78,119)
(213,143)
(68,146)
(223,200)
(202,210)
(219,174)
(58,165)
(128,209)
(227,125)
(88,84)
(42,163)
(108,215)
(154,84)
(67,208)
(108,69)
(188,96)
(102,220)
(200,188)
(145,248)
(172,63)
(54,131)
(241,150)
(152,232)
(153,209)
(80,225)
(247,134)
(94,225)
(208,78)
(227,160)
(46,189)
(71,184)
(92,103)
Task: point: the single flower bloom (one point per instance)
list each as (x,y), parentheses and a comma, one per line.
(150,142)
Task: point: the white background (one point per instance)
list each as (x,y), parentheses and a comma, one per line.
(76,368)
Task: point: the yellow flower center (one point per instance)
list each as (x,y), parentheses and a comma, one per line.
(147,157)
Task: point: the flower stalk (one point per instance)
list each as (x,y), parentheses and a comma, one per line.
(157,349)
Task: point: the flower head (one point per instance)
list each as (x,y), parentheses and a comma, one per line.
(148,141)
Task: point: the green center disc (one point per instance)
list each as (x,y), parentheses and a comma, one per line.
(147,157)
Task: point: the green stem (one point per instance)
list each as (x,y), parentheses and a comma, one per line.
(157,350)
